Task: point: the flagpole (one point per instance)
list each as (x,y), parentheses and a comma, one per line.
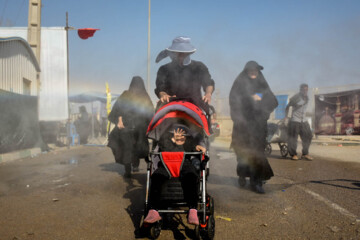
(67,53)
(148,50)
(67,76)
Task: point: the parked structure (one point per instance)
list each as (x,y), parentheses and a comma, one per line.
(19,69)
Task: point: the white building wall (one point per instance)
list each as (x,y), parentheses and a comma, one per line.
(16,64)
(53,96)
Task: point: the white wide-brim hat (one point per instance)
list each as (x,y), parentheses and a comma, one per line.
(181,44)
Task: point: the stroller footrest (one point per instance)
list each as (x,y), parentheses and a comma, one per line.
(173,211)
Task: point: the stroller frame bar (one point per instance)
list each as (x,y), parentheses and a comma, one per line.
(186,153)
(203,203)
(147,183)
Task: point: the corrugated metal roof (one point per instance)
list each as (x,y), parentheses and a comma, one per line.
(27,46)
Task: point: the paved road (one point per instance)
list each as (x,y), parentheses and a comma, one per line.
(81,194)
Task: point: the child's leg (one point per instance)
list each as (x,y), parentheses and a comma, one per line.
(189,178)
(157,179)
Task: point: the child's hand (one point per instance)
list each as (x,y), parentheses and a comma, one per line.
(179,138)
(120,124)
(178,133)
(200,148)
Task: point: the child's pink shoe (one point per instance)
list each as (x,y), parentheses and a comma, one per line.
(193,217)
(152,216)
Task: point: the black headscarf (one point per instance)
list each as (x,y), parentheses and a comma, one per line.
(242,105)
(133,104)
(137,86)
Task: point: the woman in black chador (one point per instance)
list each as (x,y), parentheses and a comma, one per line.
(131,114)
(251,102)
(83,125)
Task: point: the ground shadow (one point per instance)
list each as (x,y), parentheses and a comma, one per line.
(330,182)
(135,192)
(175,223)
(113,167)
(275,154)
(215,179)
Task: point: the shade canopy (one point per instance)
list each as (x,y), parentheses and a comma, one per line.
(91,97)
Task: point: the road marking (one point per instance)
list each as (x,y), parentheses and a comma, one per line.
(60,186)
(331,204)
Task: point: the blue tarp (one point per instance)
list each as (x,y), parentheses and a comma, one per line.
(280,110)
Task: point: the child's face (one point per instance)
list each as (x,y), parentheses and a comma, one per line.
(179,137)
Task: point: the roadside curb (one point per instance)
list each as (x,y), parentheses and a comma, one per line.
(7,157)
(343,144)
(31,152)
(323,142)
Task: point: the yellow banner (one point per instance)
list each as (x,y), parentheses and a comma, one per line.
(108,103)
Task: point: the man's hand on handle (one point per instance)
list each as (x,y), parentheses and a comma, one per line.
(164,97)
(200,148)
(207,98)
(208,92)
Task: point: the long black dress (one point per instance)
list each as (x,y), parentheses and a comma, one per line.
(130,143)
(250,123)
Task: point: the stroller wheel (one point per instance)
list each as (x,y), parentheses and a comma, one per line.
(211,207)
(197,232)
(208,233)
(210,204)
(284,150)
(155,230)
(268,149)
(143,228)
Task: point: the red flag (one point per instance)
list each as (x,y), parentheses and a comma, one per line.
(85,33)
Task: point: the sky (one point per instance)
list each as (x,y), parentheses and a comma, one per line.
(296,41)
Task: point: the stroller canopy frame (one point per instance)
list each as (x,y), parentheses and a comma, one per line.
(174,112)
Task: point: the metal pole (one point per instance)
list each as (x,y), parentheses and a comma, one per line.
(92,120)
(67,53)
(148,52)
(67,74)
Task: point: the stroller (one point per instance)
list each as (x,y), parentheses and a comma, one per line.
(172,198)
(277,133)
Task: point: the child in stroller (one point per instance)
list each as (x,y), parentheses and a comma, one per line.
(176,169)
(177,140)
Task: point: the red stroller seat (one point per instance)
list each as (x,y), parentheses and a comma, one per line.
(173,162)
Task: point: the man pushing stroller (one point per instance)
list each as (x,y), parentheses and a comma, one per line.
(183,77)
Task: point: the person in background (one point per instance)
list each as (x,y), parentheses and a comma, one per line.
(183,77)
(96,126)
(298,125)
(251,102)
(131,114)
(83,125)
